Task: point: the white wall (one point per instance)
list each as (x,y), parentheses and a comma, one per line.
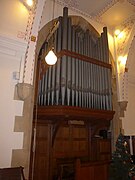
(13,24)
(129,119)
(13,18)
(11,53)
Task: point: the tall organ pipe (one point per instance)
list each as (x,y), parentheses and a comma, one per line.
(69,65)
(53,82)
(73,81)
(58,64)
(108,73)
(64,58)
(76,71)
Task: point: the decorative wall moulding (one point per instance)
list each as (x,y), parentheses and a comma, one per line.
(74,8)
(30,5)
(24,90)
(12,47)
(122,107)
(131,2)
(107,6)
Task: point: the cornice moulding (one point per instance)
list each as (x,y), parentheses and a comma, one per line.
(130,20)
(79,11)
(132,2)
(101,11)
(12,46)
(73,8)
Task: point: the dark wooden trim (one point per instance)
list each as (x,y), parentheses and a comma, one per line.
(55,129)
(83,58)
(72,113)
(37,81)
(72,54)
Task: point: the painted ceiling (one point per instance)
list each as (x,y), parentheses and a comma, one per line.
(109,12)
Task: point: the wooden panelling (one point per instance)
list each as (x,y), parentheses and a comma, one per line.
(92,171)
(42,131)
(103,149)
(60,142)
(41,167)
(71,141)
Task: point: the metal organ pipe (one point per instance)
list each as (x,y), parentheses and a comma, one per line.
(58,64)
(69,72)
(64,58)
(72,81)
(76,71)
(73,67)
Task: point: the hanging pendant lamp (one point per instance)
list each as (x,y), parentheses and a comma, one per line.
(51,58)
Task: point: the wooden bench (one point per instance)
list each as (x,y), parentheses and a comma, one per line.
(13,173)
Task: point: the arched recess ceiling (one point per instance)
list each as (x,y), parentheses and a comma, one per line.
(76,20)
(108,12)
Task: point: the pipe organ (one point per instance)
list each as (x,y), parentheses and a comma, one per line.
(73,102)
(82,75)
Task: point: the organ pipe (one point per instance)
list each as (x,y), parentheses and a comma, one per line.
(74,81)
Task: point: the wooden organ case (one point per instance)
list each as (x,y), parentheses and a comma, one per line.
(74,105)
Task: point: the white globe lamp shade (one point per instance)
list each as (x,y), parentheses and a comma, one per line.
(51,58)
(29,2)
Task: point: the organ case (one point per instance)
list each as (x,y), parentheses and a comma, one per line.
(74,97)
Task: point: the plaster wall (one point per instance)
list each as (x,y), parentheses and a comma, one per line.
(129,119)
(13,24)
(11,53)
(13,18)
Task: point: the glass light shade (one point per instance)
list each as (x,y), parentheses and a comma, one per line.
(117,32)
(29,2)
(51,58)
(121,35)
(122,59)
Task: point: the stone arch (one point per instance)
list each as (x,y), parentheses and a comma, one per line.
(129,74)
